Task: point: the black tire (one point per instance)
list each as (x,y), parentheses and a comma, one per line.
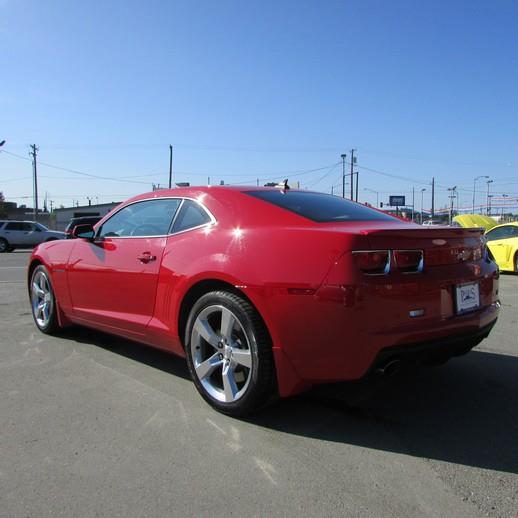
(516,262)
(4,245)
(247,340)
(45,317)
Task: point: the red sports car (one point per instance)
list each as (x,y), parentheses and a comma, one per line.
(268,291)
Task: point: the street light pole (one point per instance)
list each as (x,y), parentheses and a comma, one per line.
(474,184)
(376,193)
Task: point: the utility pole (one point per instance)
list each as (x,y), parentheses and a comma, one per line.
(413,203)
(343,156)
(488,199)
(353,161)
(474,185)
(452,197)
(51,206)
(356,193)
(422,191)
(170,166)
(34,152)
(432,213)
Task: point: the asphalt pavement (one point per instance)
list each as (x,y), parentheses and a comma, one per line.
(93,425)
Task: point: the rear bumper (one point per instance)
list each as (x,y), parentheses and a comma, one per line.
(354,356)
(437,350)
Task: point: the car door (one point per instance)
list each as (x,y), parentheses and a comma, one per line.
(15,234)
(113,279)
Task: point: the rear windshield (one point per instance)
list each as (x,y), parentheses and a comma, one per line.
(320,207)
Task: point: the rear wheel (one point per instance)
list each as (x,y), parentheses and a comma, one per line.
(4,245)
(229,353)
(516,262)
(43,301)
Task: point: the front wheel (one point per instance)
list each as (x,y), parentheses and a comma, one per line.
(43,301)
(229,353)
(4,245)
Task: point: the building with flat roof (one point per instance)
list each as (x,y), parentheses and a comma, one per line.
(62,217)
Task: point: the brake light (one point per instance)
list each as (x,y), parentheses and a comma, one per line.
(373,262)
(478,252)
(409,261)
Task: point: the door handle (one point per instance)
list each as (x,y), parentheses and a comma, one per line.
(146,257)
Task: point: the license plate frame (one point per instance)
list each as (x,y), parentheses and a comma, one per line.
(467,297)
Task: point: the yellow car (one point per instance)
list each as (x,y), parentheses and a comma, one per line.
(502,240)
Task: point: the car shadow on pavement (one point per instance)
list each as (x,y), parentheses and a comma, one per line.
(465,412)
(138,352)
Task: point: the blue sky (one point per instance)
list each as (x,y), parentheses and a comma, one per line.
(247,90)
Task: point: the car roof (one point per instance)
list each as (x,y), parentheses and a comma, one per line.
(511,223)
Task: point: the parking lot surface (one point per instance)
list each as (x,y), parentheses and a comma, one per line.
(94,425)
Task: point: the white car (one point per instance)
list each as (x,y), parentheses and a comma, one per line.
(25,234)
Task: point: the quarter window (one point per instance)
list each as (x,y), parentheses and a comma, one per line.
(191,215)
(502,233)
(144,218)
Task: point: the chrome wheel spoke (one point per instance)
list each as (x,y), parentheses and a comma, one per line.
(227,323)
(37,290)
(204,329)
(207,367)
(242,357)
(229,383)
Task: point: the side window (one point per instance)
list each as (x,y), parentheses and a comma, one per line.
(14,226)
(28,227)
(143,218)
(191,215)
(499,233)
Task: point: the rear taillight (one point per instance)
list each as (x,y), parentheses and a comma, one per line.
(373,262)
(408,261)
(380,262)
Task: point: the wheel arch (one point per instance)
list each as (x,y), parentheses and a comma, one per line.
(199,289)
(32,266)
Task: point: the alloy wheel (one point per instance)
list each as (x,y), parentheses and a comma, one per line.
(220,349)
(42,299)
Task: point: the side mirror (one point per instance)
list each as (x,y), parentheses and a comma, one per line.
(84,232)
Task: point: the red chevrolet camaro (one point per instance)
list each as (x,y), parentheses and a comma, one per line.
(269,291)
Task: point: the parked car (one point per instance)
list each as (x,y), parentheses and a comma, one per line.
(269,291)
(434,223)
(83,220)
(502,240)
(24,234)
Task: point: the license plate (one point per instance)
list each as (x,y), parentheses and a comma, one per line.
(467,297)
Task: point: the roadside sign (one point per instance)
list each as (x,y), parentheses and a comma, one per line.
(396,201)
